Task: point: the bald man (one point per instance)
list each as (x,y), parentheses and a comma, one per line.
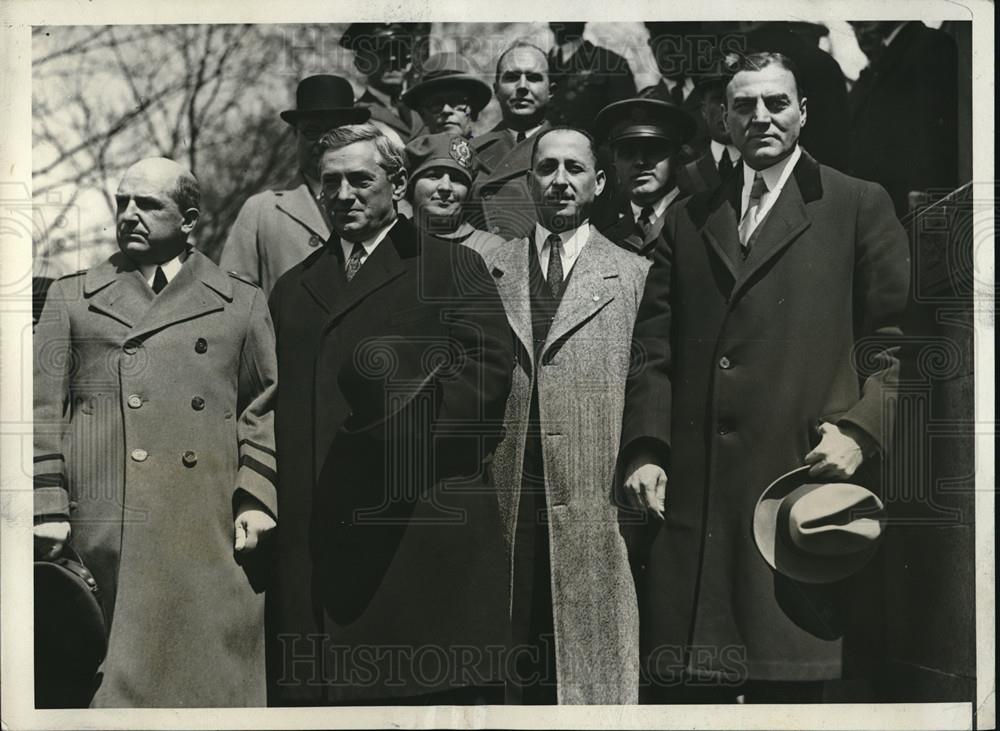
(154,452)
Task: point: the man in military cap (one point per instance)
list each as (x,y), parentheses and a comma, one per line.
(277,229)
(449,95)
(719,161)
(646,135)
(384,53)
(154,380)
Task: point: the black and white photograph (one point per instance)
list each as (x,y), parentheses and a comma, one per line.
(572,366)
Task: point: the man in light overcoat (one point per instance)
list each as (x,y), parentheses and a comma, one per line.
(154,379)
(571,298)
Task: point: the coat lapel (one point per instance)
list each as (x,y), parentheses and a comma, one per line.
(588,290)
(194,292)
(323,277)
(721,225)
(381,267)
(510,271)
(116,288)
(299,204)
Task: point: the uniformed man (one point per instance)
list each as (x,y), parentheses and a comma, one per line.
(450,94)
(154,375)
(646,135)
(384,53)
(277,229)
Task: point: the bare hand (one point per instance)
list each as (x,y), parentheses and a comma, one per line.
(50,538)
(646,485)
(838,454)
(252,526)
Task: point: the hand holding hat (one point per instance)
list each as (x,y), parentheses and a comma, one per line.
(50,538)
(840,452)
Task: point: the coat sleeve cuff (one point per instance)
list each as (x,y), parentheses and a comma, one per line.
(52,503)
(257,475)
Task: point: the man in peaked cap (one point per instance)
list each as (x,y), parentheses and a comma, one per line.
(154,380)
(719,161)
(646,134)
(385,54)
(277,229)
(449,95)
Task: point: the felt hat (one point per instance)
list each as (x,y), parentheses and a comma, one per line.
(448,71)
(440,150)
(817,532)
(326,94)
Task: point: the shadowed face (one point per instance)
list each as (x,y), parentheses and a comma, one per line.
(150,226)
(765,114)
(564,179)
(713,109)
(644,167)
(359,194)
(448,111)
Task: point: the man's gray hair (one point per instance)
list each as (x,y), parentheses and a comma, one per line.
(390,154)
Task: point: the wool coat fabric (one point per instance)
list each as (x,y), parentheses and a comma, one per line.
(742,360)
(273,232)
(699,175)
(580,378)
(501,191)
(588,81)
(151,413)
(390,579)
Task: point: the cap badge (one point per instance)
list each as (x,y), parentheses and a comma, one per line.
(461,152)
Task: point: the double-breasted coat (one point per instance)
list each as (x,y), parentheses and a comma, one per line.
(741,363)
(151,413)
(274,231)
(390,579)
(580,377)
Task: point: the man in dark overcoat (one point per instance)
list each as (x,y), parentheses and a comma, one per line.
(154,448)
(276,229)
(770,327)
(391,584)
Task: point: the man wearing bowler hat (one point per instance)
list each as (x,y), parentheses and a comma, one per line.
(385,54)
(449,95)
(277,229)
(645,135)
(770,330)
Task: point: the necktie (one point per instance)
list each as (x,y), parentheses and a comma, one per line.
(159,281)
(521,136)
(749,222)
(354,261)
(725,165)
(554,273)
(677,93)
(645,218)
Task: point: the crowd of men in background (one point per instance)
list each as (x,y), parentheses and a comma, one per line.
(525,411)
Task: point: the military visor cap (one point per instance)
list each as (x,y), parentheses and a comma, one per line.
(644,118)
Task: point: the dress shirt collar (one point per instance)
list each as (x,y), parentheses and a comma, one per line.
(572,240)
(658,208)
(170,268)
(567,49)
(895,32)
(687,85)
(368,244)
(775,178)
(527,132)
(718,147)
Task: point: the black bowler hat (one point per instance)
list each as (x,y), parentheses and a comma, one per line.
(325,94)
(70,632)
(645,116)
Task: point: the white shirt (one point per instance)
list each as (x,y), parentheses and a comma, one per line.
(170,268)
(686,88)
(572,243)
(567,49)
(895,32)
(368,244)
(658,208)
(775,178)
(717,149)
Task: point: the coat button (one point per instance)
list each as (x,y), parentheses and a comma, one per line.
(722,428)
(189,458)
(200,345)
(139,455)
(130,347)
(134,401)
(314,241)
(725,363)
(197,403)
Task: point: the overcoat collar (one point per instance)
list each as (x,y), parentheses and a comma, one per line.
(588,290)
(325,282)
(117,289)
(298,203)
(716,214)
(516,160)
